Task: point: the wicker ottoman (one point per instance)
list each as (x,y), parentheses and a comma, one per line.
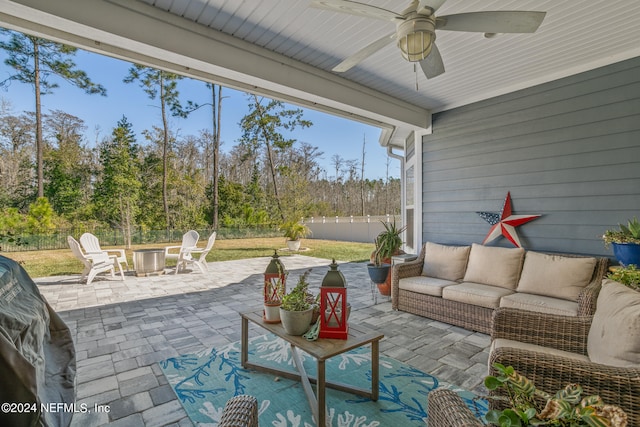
(446,409)
(240,411)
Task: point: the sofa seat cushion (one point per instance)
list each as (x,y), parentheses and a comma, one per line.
(476,294)
(424,285)
(505,343)
(445,262)
(614,336)
(555,276)
(540,304)
(494,266)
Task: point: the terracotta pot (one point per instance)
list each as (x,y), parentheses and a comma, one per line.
(385,287)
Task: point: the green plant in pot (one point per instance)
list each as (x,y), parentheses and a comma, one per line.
(296,310)
(294,231)
(272,304)
(378,271)
(628,276)
(625,241)
(527,405)
(388,244)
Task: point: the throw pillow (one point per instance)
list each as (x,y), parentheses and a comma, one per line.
(555,276)
(445,262)
(494,266)
(614,336)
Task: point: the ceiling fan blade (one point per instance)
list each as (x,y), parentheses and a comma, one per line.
(492,22)
(434,5)
(432,66)
(355,8)
(364,53)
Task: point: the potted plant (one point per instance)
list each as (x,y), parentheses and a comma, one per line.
(628,276)
(294,231)
(530,406)
(378,271)
(272,304)
(296,310)
(625,242)
(388,244)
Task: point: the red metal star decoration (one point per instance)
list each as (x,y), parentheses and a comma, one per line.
(505,224)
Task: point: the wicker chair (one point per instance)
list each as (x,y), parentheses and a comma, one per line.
(549,372)
(240,411)
(446,409)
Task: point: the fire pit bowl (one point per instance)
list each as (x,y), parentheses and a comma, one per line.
(148,262)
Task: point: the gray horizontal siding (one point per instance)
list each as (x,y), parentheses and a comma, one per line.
(568,149)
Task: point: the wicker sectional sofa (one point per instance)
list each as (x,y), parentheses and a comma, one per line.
(463,285)
(601,353)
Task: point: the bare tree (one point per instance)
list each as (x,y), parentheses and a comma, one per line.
(16,154)
(217,120)
(338,162)
(364,145)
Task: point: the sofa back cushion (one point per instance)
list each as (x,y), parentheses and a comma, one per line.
(555,276)
(494,266)
(445,262)
(614,336)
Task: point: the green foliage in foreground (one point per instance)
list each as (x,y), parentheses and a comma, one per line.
(566,408)
(628,276)
(62,262)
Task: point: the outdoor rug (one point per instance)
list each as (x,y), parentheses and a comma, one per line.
(205,381)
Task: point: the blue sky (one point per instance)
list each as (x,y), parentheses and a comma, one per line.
(333,135)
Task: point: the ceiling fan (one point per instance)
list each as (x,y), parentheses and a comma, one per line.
(416,28)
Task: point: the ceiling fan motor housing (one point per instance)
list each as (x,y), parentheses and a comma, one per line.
(415,37)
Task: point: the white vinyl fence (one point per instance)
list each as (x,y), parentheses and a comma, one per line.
(349,229)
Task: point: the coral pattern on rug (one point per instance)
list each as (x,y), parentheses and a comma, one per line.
(203,382)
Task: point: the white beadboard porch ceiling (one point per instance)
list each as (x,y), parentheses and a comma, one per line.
(285,49)
(576,35)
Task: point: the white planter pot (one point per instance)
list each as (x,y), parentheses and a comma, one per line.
(293,245)
(272,313)
(296,322)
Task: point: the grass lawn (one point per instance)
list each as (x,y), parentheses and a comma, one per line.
(62,262)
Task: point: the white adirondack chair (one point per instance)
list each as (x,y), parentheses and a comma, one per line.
(91,246)
(95,264)
(189,243)
(201,261)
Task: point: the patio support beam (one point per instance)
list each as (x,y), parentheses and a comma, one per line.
(137,32)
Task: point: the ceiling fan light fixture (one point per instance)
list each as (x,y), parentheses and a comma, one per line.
(415,38)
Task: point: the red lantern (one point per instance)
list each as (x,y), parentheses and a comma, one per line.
(274,288)
(333,305)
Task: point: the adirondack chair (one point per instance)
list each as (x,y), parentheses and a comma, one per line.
(91,246)
(93,265)
(201,262)
(189,243)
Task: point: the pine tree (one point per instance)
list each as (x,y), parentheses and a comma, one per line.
(264,126)
(36,60)
(161,85)
(118,189)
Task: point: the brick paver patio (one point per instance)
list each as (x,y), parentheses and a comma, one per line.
(122,329)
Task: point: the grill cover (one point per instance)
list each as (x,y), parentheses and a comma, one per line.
(37,356)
